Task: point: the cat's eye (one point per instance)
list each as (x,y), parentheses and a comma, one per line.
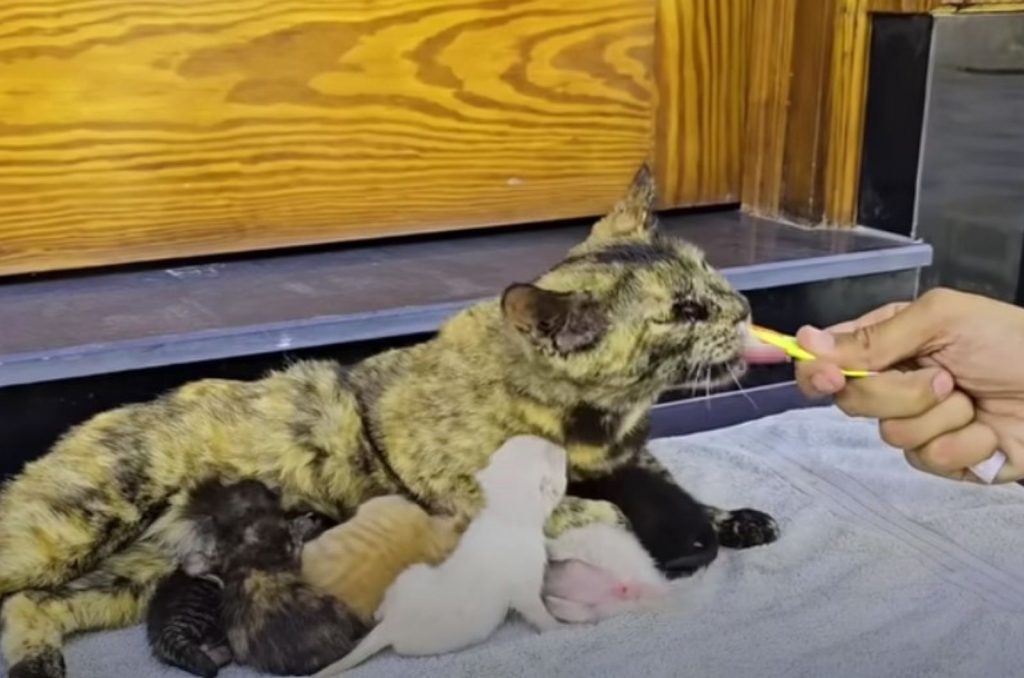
(690,311)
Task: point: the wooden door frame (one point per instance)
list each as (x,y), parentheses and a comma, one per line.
(808,76)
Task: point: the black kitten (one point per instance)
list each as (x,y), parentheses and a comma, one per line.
(275,622)
(215,508)
(184,627)
(674,527)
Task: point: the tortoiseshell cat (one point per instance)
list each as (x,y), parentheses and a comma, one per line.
(578,356)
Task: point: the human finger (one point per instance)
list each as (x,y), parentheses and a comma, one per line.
(818,379)
(870,318)
(952,454)
(1009,428)
(909,433)
(910,332)
(895,394)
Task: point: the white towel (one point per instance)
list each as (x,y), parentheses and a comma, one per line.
(881,572)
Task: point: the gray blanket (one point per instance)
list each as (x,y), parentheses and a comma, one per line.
(881,571)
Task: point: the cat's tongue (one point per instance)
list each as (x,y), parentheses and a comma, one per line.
(756,352)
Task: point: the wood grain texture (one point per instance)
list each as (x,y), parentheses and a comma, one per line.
(701,72)
(806,109)
(980,7)
(847,90)
(168,128)
(772,24)
(904,6)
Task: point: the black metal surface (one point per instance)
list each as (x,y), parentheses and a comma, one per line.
(682,417)
(80,325)
(32,416)
(971,202)
(894,119)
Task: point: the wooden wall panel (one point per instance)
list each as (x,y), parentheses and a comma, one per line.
(979,6)
(806,107)
(808,78)
(701,67)
(770,58)
(179,127)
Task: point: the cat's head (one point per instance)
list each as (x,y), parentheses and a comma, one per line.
(631,308)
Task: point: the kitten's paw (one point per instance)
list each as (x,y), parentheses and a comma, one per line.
(744,528)
(47,664)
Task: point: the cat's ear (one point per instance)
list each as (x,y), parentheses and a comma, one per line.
(566,322)
(633,215)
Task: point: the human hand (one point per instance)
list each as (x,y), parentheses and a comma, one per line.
(950,384)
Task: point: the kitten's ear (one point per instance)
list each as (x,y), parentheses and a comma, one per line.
(633,215)
(564,321)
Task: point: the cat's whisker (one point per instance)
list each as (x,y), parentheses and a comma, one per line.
(743,391)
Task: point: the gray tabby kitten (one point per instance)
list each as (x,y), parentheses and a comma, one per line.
(184,626)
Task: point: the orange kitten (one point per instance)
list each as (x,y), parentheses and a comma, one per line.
(358,560)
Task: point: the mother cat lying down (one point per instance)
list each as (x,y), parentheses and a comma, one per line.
(578,357)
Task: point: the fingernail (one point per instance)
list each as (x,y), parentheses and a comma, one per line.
(818,341)
(942,384)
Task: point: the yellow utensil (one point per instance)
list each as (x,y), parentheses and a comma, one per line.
(793,349)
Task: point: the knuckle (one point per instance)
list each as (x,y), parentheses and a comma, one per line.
(961,408)
(940,300)
(864,338)
(892,432)
(849,403)
(940,455)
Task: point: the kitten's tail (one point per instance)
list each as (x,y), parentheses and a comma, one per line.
(375,641)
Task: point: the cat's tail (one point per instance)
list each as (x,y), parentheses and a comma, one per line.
(375,641)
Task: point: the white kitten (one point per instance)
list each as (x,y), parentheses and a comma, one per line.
(498,564)
(599,571)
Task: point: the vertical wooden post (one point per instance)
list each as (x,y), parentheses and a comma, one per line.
(701,74)
(808,69)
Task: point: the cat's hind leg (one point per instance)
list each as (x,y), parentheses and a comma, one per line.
(115,594)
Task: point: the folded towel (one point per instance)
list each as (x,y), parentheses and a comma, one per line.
(881,571)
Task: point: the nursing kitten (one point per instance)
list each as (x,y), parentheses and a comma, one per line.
(498,564)
(600,571)
(215,505)
(653,502)
(184,627)
(358,560)
(183,620)
(275,621)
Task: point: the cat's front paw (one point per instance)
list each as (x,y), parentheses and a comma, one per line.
(744,528)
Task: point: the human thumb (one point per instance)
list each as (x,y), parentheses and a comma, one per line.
(874,346)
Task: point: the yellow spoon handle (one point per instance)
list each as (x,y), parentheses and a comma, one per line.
(793,349)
